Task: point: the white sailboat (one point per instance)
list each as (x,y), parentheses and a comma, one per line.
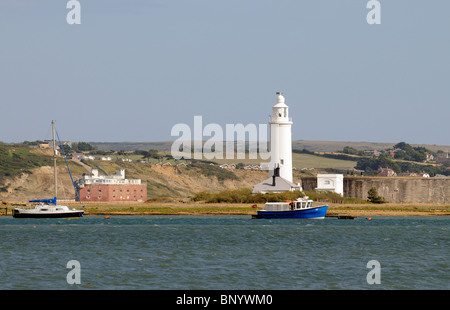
(48,208)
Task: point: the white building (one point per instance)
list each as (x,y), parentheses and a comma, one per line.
(331,183)
(281,139)
(114,179)
(280,166)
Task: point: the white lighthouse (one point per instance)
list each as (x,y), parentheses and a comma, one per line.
(280,166)
(281,140)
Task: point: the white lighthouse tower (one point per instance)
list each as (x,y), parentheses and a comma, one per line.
(281,140)
(280,166)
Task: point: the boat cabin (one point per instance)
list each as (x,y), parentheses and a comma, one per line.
(299,204)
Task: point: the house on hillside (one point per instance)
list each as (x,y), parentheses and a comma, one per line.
(77,155)
(386,172)
(44,145)
(252,167)
(228,166)
(414,174)
(375,153)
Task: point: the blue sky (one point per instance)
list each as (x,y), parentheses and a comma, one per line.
(135,68)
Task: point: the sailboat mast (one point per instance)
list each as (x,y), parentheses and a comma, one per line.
(54,159)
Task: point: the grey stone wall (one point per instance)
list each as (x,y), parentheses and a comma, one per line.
(394,189)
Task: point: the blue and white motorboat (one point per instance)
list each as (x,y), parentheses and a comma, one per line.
(300,208)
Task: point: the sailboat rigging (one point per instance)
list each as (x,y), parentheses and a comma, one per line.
(49,208)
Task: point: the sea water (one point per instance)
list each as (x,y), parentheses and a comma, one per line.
(224,252)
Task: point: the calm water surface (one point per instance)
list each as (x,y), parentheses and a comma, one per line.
(224,252)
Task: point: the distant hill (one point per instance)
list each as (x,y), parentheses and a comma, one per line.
(27,173)
(162,181)
(163,146)
(316,146)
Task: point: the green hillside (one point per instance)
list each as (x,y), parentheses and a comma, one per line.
(17,159)
(27,172)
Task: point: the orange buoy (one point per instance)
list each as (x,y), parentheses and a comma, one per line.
(106,217)
(369,218)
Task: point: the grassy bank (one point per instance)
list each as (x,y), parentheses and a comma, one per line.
(170,209)
(389,209)
(197,208)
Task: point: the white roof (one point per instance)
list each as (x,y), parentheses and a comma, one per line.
(280,102)
(281,185)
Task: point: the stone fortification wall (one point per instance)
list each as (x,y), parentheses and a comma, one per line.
(394,189)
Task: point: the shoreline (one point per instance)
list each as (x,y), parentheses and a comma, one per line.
(198,208)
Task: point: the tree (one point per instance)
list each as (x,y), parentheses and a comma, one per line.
(407,152)
(372,196)
(66,149)
(371,165)
(403,146)
(83,147)
(240,166)
(350,150)
(150,154)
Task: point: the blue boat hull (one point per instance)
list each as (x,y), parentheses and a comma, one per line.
(313,213)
